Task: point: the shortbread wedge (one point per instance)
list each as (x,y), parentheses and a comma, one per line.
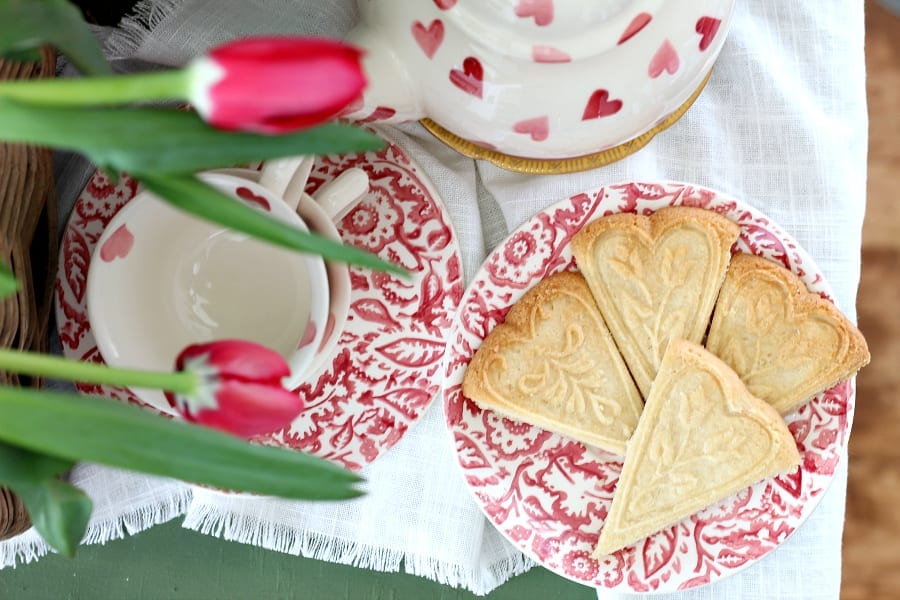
(701,438)
(786,343)
(655,278)
(553,364)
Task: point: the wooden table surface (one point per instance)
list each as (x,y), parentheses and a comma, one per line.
(872,533)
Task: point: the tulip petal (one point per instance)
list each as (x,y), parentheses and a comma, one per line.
(238,359)
(248,409)
(281,84)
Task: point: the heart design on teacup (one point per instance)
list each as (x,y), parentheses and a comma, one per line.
(707,27)
(470,79)
(329,329)
(785,342)
(538,128)
(445,4)
(248,195)
(636,25)
(118,245)
(599,105)
(541,10)
(309,334)
(429,38)
(665,59)
(549,54)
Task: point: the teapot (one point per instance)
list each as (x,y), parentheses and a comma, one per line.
(526,82)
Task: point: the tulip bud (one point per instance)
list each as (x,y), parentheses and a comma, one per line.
(239,388)
(275,84)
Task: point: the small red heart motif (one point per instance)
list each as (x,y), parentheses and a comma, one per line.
(470,79)
(707,27)
(329,329)
(309,334)
(248,195)
(599,105)
(117,245)
(665,59)
(429,38)
(538,128)
(379,114)
(541,10)
(637,23)
(445,4)
(549,54)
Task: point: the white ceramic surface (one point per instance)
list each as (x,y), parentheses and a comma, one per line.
(161,279)
(537,78)
(341,198)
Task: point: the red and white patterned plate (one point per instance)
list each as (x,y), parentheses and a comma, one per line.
(386,367)
(550,495)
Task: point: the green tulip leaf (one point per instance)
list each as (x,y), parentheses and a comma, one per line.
(8,283)
(158,140)
(19,466)
(23,55)
(196,197)
(99,430)
(59,511)
(29,24)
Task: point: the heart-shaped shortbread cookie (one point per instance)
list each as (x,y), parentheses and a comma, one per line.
(785,342)
(655,278)
(553,364)
(702,437)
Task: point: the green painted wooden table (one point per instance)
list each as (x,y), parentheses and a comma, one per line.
(168,561)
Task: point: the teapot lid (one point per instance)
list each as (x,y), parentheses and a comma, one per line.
(579,28)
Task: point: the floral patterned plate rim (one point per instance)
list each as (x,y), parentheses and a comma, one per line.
(549,495)
(386,367)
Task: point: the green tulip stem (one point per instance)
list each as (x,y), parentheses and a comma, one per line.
(93,91)
(54,367)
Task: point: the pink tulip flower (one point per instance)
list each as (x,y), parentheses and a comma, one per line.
(240,388)
(276,84)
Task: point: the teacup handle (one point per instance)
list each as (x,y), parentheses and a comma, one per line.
(282,175)
(342,193)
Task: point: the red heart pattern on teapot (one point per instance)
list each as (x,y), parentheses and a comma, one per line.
(538,128)
(599,105)
(666,59)
(541,10)
(429,38)
(549,54)
(379,114)
(707,27)
(471,78)
(637,23)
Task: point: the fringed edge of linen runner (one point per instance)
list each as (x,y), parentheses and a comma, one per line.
(134,28)
(210,519)
(29,546)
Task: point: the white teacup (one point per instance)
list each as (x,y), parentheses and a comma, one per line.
(161,279)
(320,212)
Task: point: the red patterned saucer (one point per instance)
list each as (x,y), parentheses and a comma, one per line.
(386,367)
(550,495)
